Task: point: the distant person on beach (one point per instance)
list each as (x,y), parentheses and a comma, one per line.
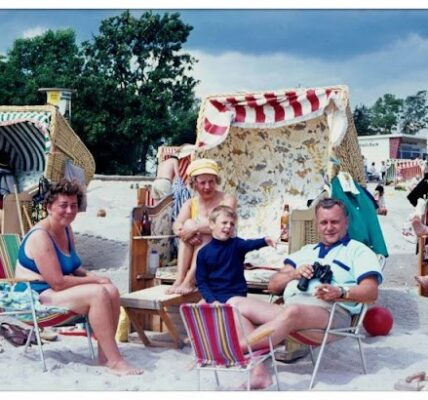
(220,263)
(383,172)
(166,173)
(356,276)
(192,225)
(47,253)
(379,196)
(373,173)
(366,169)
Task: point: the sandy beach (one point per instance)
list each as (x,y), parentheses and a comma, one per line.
(103,246)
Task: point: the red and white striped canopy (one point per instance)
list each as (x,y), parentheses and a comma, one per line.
(271,110)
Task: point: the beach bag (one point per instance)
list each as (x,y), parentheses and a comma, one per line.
(73,172)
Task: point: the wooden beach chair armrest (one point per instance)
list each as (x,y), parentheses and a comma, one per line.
(261,335)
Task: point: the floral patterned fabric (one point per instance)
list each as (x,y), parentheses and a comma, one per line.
(267,168)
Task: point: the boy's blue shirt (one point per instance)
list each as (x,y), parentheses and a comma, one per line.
(220,268)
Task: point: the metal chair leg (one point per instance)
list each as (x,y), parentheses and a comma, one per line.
(275,369)
(89,336)
(36,329)
(199,379)
(216,378)
(363,360)
(311,352)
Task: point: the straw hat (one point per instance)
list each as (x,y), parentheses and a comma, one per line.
(202,166)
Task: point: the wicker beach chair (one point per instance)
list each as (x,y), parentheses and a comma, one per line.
(214,339)
(9,245)
(38,141)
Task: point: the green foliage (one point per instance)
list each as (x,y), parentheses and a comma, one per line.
(48,60)
(362,121)
(385,114)
(136,84)
(415,113)
(133,81)
(390,114)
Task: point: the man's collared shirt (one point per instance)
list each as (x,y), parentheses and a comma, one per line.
(350,261)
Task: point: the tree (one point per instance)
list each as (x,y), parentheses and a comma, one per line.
(386,114)
(415,113)
(135,90)
(48,60)
(362,120)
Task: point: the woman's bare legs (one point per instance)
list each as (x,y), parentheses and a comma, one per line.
(184,260)
(186,264)
(95,301)
(114,295)
(188,284)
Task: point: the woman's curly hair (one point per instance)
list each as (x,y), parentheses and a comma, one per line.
(63,187)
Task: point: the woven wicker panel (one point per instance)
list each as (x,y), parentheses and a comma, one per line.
(349,153)
(66,144)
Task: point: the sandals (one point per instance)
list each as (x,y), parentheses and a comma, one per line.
(415,382)
(16,335)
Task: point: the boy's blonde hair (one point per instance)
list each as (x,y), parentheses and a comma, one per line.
(219,210)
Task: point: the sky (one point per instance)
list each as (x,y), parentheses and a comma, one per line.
(373,52)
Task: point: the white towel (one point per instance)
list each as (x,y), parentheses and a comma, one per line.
(347,183)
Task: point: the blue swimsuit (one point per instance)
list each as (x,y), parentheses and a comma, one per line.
(68,263)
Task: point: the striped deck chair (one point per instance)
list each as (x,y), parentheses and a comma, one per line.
(9,245)
(214,339)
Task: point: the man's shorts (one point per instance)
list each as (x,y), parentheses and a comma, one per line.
(342,317)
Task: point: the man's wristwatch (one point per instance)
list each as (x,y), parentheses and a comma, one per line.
(344,292)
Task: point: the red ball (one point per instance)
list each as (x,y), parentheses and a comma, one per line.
(378,321)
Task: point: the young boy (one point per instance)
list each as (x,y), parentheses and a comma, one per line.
(220,263)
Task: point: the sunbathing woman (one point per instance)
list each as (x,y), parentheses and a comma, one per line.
(192,226)
(48,253)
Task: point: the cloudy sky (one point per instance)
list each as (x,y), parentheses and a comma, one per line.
(373,52)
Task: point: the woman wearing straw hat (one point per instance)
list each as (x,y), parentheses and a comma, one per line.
(192,226)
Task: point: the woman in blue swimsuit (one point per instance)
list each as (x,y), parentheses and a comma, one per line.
(47,253)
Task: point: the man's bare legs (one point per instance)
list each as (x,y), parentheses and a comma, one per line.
(95,301)
(282,320)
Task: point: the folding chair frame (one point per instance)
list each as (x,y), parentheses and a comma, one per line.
(35,325)
(352,331)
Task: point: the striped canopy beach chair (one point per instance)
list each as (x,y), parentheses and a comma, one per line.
(38,141)
(9,245)
(214,339)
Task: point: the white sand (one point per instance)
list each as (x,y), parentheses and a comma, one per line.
(103,244)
